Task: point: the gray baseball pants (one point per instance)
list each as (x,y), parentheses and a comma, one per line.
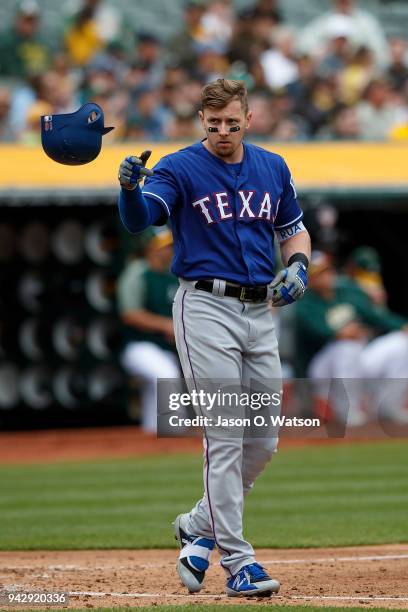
(217,338)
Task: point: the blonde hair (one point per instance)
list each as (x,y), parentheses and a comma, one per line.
(221,92)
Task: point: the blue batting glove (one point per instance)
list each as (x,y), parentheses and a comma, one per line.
(132,170)
(288,285)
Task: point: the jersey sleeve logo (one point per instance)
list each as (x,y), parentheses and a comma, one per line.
(288,232)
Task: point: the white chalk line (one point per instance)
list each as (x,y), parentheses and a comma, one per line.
(137,595)
(84,568)
(220,595)
(336,559)
(349,597)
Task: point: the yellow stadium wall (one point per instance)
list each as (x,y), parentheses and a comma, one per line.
(313,165)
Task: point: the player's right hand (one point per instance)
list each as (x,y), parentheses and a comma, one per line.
(132,170)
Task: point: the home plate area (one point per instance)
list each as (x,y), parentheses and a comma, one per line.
(333,577)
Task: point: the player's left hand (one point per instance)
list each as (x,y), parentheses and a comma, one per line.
(288,285)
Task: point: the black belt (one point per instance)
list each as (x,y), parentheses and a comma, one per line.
(254,293)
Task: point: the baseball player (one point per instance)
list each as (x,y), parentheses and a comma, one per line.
(227,201)
(145,293)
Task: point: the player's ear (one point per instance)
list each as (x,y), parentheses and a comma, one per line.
(248,119)
(201,115)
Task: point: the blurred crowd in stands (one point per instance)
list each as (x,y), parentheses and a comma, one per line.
(337,78)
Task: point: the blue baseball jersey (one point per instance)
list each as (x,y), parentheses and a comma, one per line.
(224,216)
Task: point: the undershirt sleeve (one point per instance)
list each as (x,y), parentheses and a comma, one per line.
(138,211)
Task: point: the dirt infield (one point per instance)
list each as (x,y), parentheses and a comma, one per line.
(86,444)
(369,576)
(128,441)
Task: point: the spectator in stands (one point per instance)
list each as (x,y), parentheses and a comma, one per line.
(264,25)
(288,126)
(53,95)
(243,44)
(135,77)
(270,8)
(23,51)
(355,77)
(182,96)
(217,23)
(311,91)
(58,92)
(61,66)
(366,31)
(105,16)
(334,323)
(342,126)
(6,132)
(376,113)
(322,104)
(113,58)
(182,48)
(300,89)
(289,129)
(82,38)
(175,76)
(252,35)
(149,53)
(145,296)
(103,83)
(397,70)
(339,49)
(146,117)
(99,79)
(183,126)
(263,119)
(252,78)
(211,65)
(279,63)
(23,97)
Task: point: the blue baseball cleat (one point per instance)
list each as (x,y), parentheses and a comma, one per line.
(251,580)
(194,556)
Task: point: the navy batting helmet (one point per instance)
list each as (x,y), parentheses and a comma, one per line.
(74,138)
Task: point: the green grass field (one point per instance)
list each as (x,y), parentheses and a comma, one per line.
(312,496)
